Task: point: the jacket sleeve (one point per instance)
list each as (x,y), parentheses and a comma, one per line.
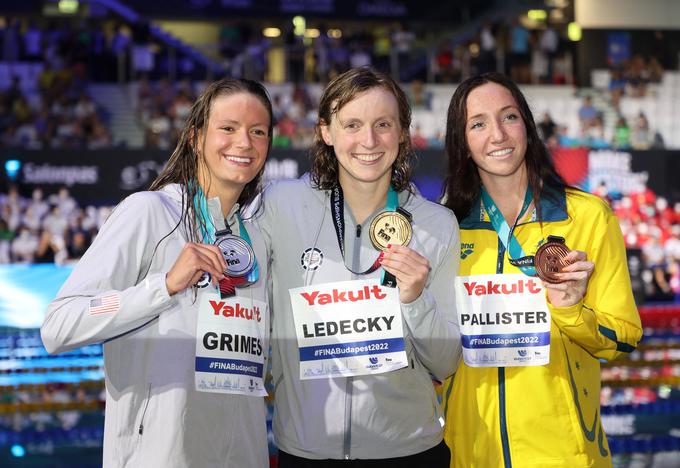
(606,322)
(431,320)
(108,293)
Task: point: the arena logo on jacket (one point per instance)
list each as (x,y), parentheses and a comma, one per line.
(466,249)
(311,258)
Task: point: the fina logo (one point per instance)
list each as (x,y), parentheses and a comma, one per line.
(522,352)
(373,360)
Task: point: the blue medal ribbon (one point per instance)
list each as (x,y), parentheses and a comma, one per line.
(392,204)
(209,232)
(516,254)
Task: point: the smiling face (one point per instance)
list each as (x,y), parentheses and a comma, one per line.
(365,135)
(495,133)
(234,144)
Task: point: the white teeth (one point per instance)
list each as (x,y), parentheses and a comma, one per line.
(237,159)
(367,157)
(501,152)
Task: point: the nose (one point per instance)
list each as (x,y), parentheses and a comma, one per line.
(243,139)
(370,140)
(498,134)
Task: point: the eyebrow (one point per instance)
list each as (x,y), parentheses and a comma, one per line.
(236,122)
(353,119)
(503,109)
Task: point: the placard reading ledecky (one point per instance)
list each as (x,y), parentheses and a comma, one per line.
(504,320)
(348,328)
(230,345)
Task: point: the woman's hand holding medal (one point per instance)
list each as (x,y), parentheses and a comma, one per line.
(573,280)
(195,260)
(409,267)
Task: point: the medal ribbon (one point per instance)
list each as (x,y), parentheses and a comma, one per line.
(338,210)
(210,235)
(516,255)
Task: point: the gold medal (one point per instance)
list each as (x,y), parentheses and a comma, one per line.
(390,227)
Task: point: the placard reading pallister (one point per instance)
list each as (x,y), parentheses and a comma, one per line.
(230,345)
(504,320)
(348,328)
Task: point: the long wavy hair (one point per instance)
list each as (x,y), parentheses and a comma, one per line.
(463,184)
(182,167)
(343,89)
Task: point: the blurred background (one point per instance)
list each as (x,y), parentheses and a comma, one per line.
(93,93)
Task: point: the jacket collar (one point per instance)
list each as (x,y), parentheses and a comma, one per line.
(409,200)
(553,208)
(176,192)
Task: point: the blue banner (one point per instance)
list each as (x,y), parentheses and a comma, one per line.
(228,366)
(511,340)
(358,348)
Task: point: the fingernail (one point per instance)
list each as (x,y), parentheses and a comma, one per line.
(381,256)
(389,246)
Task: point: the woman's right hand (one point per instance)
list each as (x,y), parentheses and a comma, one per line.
(192,262)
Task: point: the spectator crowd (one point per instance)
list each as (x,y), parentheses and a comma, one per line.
(41,229)
(56,229)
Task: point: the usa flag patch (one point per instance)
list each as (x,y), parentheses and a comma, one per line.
(104,304)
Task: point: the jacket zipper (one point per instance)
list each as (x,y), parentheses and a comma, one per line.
(146,405)
(347,441)
(505,442)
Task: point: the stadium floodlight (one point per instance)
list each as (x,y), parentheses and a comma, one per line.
(537,15)
(574,31)
(299,25)
(68,7)
(271,32)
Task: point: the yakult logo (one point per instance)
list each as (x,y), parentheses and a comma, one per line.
(338,296)
(529,285)
(222,308)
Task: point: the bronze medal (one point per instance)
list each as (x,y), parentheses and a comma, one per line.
(549,259)
(237,253)
(390,227)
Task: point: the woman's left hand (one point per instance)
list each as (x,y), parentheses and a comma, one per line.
(409,267)
(575,278)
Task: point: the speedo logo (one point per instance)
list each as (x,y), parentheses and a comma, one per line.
(466,249)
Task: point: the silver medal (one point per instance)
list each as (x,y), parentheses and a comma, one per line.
(237,254)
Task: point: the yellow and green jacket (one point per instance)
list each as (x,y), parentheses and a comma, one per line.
(546,416)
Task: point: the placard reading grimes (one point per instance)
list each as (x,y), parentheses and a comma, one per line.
(504,320)
(230,345)
(348,328)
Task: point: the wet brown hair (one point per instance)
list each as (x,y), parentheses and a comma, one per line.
(343,89)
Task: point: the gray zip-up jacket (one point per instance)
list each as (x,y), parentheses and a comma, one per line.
(388,415)
(154,417)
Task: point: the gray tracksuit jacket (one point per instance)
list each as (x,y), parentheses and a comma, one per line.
(388,415)
(154,417)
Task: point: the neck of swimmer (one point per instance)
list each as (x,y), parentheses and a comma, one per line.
(507,193)
(228,197)
(364,198)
